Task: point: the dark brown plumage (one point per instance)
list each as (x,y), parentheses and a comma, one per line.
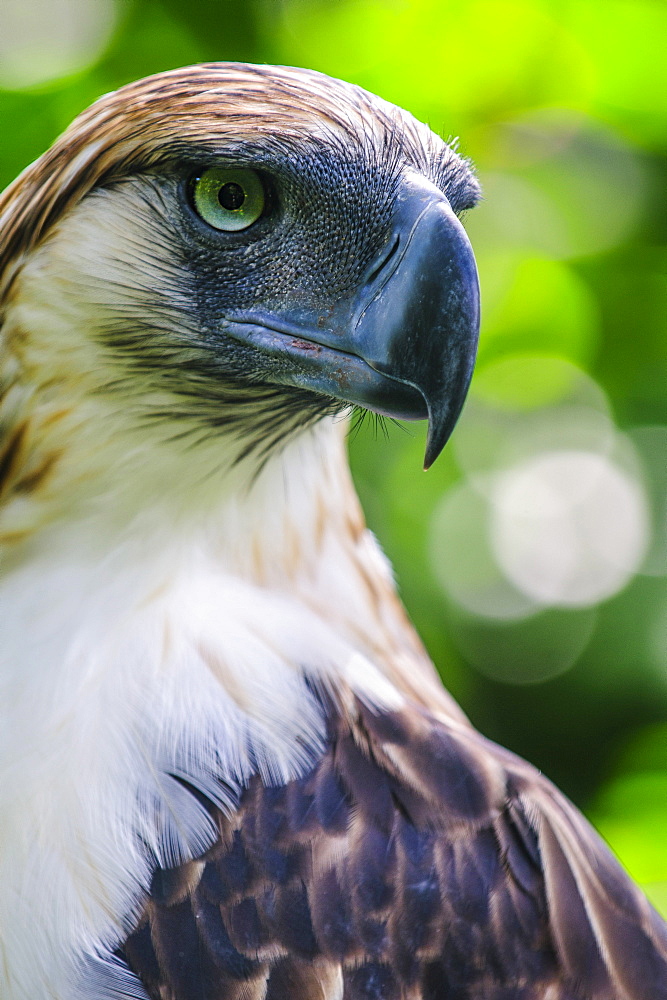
(416,860)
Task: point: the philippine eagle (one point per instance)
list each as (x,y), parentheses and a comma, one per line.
(228,770)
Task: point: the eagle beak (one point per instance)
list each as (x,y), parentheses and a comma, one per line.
(420,324)
(405,345)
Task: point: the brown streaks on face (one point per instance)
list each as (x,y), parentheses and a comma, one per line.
(10,455)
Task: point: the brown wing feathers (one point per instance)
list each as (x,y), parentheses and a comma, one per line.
(412,862)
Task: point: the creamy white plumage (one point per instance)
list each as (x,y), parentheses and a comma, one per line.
(157,623)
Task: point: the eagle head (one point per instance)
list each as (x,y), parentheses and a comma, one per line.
(239,250)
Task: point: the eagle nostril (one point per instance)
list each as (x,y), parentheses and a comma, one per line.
(376,277)
(381,262)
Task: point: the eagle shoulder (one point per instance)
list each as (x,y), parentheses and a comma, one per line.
(416,860)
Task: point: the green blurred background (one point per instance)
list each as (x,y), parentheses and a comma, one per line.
(533,556)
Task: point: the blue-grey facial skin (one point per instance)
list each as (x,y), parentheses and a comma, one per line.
(404,343)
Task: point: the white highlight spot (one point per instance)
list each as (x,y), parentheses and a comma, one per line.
(463,560)
(46,39)
(568,528)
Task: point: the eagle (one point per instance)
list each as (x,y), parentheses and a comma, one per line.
(228,769)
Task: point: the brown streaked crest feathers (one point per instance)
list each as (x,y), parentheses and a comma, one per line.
(136,126)
(413,859)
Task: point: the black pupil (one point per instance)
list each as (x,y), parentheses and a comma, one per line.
(231,196)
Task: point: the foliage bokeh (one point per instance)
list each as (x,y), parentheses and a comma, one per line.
(533,556)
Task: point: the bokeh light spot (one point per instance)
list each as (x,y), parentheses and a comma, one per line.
(529,651)
(504,421)
(46,39)
(463,560)
(525,382)
(533,303)
(585,195)
(651,444)
(569,528)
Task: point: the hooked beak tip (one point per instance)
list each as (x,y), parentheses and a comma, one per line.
(433,448)
(443,414)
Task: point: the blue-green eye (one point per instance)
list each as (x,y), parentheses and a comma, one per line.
(230,200)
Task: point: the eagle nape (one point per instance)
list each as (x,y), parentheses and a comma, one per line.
(228,767)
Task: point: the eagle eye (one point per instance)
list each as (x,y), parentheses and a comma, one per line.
(229,199)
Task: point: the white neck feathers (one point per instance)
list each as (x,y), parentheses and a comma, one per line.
(165,610)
